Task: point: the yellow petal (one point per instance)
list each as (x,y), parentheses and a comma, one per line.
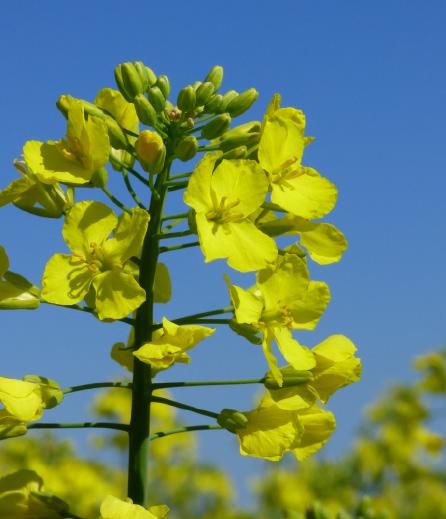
(124,113)
(15,190)
(324,242)
(122,356)
(270,357)
(117,294)
(308,195)
(88,223)
(114,508)
(247,307)
(318,426)
(21,399)
(308,310)
(161,356)
(198,192)
(162,287)
(300,357)
(4,261)
(66,280)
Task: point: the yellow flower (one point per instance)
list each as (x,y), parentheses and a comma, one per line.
(22,497)
(16,292)
(296,188)
(97,260)
(336,367)
(170,344)
(72,160)
(223,203)
(114,508)
(151,151)
(282,299)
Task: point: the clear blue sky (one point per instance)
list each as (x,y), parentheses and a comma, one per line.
(370,77)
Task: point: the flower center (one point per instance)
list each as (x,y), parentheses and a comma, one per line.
(287,171)
(223,211)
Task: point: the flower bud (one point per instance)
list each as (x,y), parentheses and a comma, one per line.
(247,134)
(151,76)
(146,112)
(236,153)
(186,99)
(186,148)
(216,127)
(116,134)
(214,104)
(120,82)
(232,420)
(164,85)
(151,151)
(242,102)
(131,79)
(157,98)
(227,98)
(142,72)
(99,178)
(291,377)
(204,92)
(65,102)
(215,76)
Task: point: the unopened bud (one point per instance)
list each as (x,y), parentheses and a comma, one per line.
(186,148)
(174,114)
(99,178)
(215,76)
(214,104)
(131,79)
(291,377)
(164,85)
(151,151)
(144,109)
(242,102)
(186,99)
(216,127)
(142,72)
(240,152)
(204,92)
(157,98)
(151,76)
(227,98)
(116,134)
(232,420)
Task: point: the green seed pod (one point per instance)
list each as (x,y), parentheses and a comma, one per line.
(204,92)
(163,84)
(216,127)
(132,81)
(213,105)
(232,420)
(192,220)
(236,153)
(291,377)
(242,102)
(187,148)
(151,76)
(215,76)
(142,72)
(157,98)
(186,99)
(227,98)
(99,178)
(144,109)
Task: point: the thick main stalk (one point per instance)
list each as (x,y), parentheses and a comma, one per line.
(139,429)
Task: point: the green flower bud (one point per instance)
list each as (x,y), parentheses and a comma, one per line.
(246,330)
(65,102)
(99,178)
(232,420)
(186,148)
(157,98)
(204,92)
(151,151)
(215,76)
(236,153)
(151,76)
(146,112)
(242,102)
(142,72)
(116,134)
(227,98)
(186,99)
(120,82)
(291,377)
(120,159)
(214,104)
(196,84)
(164,85)
(216,127)
(192,221)
(133,84)
(51,501)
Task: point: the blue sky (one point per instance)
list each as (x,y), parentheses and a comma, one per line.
(372,81)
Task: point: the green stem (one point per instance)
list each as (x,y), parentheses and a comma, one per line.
(88,310)
(163,385)
(175,186)
(179,234)
(79,425)
(218,311)
(181,175)
(95,385)
(179,247)
(117,202)
(139,429)
(171,225)
(174,216)
(189,428)
(179,405)
(130,189)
